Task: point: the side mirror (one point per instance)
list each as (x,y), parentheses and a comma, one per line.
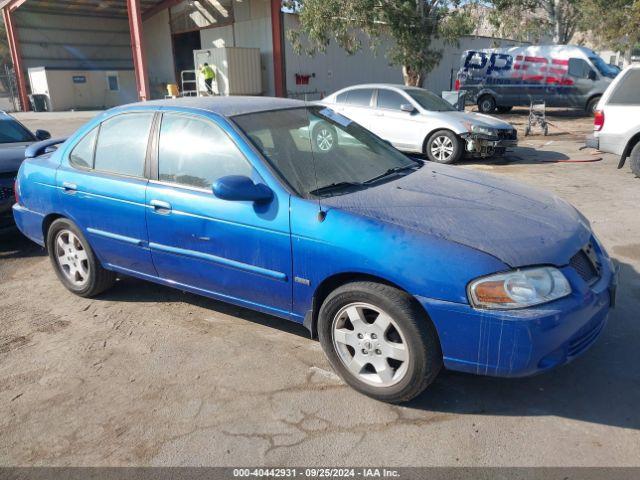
(241,188)
(592,75)
(407,107)
(42,135)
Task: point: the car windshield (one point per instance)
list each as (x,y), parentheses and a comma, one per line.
(429,101)
(12,132)
(604,68)
(321,153)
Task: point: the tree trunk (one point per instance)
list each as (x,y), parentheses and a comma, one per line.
(412,78)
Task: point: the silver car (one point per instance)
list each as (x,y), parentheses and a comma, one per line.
(417,121)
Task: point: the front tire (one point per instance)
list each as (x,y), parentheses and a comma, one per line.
(592,105)
(379,340)
(486,104)
(443,146)
(74,262)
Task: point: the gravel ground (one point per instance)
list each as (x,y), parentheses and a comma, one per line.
(146,375)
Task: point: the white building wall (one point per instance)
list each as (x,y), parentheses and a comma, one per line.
(251,29)
(159,52)
(335,69)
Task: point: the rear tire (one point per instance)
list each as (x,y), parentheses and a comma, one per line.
(486,104)
(634,160)
(379,340)
(74,262)
(592,105)
(443,146)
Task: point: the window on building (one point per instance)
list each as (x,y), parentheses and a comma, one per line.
(389,99)
(196,152)
(360,97)
(122,144)
(112,82)
(82,153)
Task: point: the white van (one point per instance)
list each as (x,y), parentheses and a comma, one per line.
(560,75)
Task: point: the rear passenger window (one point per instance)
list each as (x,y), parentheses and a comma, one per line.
(390,100)
(360,97)
(628,90)
(342,98)
(196,152)
(82,154)
(122,144)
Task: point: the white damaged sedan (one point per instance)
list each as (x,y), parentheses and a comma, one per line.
(415,120)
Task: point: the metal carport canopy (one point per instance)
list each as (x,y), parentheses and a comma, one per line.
(134,10)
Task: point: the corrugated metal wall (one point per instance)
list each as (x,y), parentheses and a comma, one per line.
(67,41)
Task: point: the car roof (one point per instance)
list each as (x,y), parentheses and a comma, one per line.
(379,85)
(225,106)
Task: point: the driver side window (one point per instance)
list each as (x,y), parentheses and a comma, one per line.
(579,68)
(196,152)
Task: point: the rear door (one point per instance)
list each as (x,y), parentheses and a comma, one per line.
(358,107)
(102,187)
(236,250)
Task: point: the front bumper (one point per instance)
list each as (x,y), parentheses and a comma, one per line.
(516,343)
(482,146)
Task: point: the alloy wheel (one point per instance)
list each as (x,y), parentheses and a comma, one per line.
(442,148)
(324,139)
(370,344)
(72,258)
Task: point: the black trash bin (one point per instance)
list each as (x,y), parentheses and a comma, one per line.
(39,102)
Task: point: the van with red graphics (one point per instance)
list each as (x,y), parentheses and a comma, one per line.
(560,75)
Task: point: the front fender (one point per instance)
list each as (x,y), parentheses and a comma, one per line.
(347,243)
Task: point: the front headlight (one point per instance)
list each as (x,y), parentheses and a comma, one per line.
(519,288)
(483,130)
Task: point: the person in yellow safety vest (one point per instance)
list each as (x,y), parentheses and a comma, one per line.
(209,76)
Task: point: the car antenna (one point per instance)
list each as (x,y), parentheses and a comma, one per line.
(322,214)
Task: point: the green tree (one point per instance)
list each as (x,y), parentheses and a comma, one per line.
(411,25)
(612,23)
(557,18)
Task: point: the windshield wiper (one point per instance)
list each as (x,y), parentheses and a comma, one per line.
(334,186)
(391,171)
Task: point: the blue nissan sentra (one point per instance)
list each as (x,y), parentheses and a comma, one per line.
(398,266)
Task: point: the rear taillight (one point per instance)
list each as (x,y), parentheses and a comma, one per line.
(456,85)
(598,120)
(16,191)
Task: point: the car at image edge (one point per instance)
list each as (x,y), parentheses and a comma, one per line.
(14,138)
(616,123)
(415,120)
(399,266)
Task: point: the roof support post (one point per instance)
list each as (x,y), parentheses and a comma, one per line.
(14,49)
(277,35)
(137,47)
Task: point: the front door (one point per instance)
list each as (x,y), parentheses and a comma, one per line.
(234,250)
(403,129)
(102,187)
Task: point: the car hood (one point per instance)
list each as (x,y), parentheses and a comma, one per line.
(11,156)
(517,224)
(479,119)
